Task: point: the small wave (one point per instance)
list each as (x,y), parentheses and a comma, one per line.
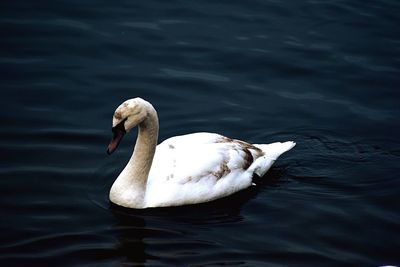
(195,75)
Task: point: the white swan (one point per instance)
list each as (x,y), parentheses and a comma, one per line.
(187,169)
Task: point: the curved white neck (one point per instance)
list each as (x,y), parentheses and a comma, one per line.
(130,187)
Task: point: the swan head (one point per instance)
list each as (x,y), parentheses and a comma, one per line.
(127,116)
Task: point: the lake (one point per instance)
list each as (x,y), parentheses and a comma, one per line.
(325,74)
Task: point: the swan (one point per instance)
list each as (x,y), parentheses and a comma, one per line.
(188,169)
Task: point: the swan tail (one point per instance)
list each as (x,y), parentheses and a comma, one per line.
(271,154)
(274,150)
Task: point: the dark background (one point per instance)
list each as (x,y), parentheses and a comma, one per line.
(322,73)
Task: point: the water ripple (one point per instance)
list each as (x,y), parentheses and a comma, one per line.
(195,75)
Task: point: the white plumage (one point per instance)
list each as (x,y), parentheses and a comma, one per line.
(187,169)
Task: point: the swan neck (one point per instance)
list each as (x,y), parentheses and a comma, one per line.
(130,187)
(145,148)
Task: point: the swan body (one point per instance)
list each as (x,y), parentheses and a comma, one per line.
(182,170)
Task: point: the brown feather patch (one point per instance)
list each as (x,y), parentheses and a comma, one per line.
(247,148)
(248,158)
(118,115)
(223,170)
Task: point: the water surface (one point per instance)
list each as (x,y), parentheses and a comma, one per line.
(324,74)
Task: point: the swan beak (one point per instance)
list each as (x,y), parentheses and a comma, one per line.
(118,134)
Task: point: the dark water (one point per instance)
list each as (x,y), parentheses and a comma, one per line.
(325,74)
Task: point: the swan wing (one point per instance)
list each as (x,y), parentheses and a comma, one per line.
(198,168)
